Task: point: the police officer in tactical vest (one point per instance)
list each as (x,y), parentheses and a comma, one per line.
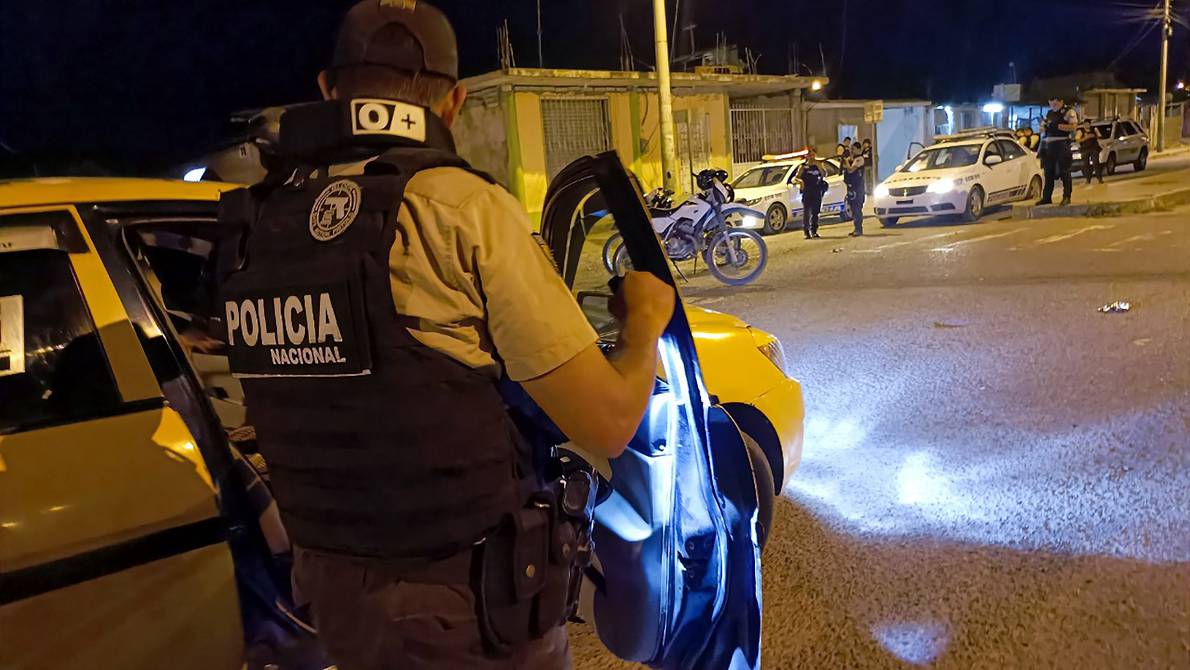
(1059,126)
(812,181)
(377,291)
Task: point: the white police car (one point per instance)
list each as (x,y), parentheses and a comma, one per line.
(769,188)
(961,175)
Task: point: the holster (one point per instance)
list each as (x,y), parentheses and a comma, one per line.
(528,574)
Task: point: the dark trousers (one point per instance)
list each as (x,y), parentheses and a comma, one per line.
(1056,160)
(1092,167)
(811,209)
(368,620)
(857,207)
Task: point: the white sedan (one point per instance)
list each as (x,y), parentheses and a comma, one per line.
(769,188)
(960,176)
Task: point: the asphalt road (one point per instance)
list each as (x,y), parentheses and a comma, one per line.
(995,474)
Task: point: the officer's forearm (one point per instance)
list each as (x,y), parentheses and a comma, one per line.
(598,402)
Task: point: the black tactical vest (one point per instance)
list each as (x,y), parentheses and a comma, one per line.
(378,446)
(1052,120)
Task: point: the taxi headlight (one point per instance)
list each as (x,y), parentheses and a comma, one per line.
(941,186)
(749,221)
(881,191)
(773,351)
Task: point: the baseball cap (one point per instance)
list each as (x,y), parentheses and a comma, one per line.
(407,35)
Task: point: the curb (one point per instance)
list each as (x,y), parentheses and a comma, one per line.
(1167,200)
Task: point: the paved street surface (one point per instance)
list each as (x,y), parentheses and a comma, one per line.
(995,474)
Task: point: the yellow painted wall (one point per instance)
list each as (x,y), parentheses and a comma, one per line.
(532,172)
(714,107)
(635,135)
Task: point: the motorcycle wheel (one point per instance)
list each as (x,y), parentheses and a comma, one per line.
(737,256)
(621,262)
(610,248)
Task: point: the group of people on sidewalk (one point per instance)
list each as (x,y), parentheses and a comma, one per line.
(855,159)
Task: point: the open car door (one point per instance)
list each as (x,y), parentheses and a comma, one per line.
(676,539)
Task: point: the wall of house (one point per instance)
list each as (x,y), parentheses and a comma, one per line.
(481,136)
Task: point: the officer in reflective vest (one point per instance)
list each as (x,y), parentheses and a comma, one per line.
(376,291)
(1056,158)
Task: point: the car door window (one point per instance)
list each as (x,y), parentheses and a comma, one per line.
(176,263)
(53,369)
(992,150)
(1121,131)
(830,169)
(1011,150)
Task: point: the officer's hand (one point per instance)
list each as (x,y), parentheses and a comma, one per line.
(644,304)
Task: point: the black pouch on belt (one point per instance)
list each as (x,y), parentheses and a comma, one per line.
(510,574)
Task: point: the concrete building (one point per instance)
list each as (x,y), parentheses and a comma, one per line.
(524,125)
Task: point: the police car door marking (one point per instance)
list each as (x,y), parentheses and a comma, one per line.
(334,210)
(388,117)
(12,335)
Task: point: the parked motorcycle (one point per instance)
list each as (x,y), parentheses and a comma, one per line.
(699,228)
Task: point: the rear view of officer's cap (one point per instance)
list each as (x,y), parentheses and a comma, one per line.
(407,35)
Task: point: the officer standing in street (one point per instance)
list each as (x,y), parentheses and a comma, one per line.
(853,168)
(1059,125)
(372,314)
(812,181)
(1090,147)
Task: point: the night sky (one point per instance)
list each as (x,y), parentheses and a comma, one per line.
(139,85)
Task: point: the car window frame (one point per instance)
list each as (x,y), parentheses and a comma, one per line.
(180,387)
(989,150)
(1011,150)
(129,367)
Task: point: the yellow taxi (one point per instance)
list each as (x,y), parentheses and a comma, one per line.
(136,525)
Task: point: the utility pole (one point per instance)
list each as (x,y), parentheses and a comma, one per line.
(669,156)
(540,58)
(1166,32)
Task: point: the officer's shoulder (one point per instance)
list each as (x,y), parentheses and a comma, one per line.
(453,187)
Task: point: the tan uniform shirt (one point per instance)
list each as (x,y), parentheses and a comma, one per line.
(466,266)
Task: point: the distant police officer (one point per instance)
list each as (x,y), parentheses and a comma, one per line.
(1089,145)
(853,175)
(1059,126)
(812,181)
(371,312)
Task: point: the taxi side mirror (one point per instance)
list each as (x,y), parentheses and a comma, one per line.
(993,160)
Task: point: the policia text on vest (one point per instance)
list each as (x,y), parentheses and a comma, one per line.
(295,330)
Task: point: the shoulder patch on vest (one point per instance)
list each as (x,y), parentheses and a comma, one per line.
(335,210)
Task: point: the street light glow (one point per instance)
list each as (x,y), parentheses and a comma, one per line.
(993,108)
(816,85)
(1181,86)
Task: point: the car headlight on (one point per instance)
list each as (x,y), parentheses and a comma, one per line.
(941,186)
(750,221)
(881,191)
(773,351)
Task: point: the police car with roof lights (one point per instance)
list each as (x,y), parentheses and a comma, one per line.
(964,174)
(770,188)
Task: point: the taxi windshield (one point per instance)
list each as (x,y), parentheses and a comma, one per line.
(762,176)
(944,157)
